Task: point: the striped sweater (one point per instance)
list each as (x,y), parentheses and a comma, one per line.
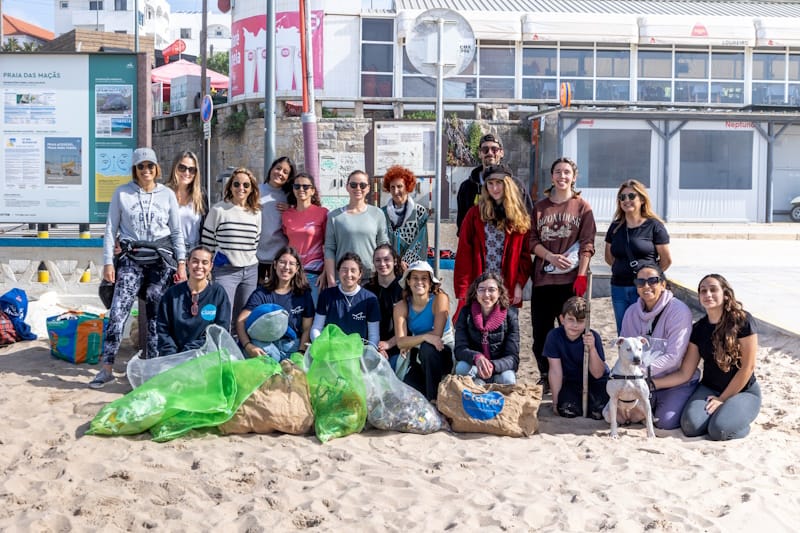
(233,231)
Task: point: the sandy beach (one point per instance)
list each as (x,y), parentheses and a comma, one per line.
(568,477)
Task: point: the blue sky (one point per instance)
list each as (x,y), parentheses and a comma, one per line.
(40,12)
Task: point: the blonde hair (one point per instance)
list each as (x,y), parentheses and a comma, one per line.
(646,210)
(253,199)
(195,189)
(517,219)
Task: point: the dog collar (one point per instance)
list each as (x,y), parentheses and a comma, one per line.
(621,376)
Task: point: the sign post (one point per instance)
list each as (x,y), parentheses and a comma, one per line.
(206,112)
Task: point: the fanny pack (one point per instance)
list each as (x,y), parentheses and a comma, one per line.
(149,252)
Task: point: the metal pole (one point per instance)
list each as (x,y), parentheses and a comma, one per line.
(204,89)
(439,133)
(136,26)
(309,118)
(269,91)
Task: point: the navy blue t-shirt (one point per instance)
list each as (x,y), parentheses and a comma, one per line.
(558,346)
(350,313)
(299,306)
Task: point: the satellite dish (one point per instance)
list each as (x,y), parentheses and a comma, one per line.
(458,42)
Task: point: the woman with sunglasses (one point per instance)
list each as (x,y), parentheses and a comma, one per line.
(273,202)
(232,229)
(286,286)
(357,227)
(188,308)
(636,234)
(304,225)
(406,220)
(185,182)
(143,222)
(562,240)
(666,322)
(725,339)
(495,237)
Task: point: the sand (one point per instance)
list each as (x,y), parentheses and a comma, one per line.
(569,477)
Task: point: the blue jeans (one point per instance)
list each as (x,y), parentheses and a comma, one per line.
(312,280)
(507,377)
(622,297)
(731,420)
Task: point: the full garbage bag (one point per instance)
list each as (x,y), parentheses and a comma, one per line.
(336,385)
(391,404)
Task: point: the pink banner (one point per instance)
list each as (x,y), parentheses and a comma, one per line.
(249,54)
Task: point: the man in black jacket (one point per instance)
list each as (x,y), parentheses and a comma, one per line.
(491,153)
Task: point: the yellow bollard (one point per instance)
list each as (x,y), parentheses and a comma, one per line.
(43,273)
(84,231)
(86,277)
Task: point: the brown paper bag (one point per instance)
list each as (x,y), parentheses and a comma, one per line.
(281,404)
(510,410)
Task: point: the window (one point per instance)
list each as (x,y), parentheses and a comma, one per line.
(120,5)
(186,33)
(95,5)
(771,72)
(496,72)
(64,4)
(609,156)
(377,49)
(716,160)
(539,68)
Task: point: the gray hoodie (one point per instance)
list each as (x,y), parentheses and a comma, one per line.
(143,216)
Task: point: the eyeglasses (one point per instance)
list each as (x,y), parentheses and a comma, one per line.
(243,184)
(487,290)
(492,149)
(287,264)
(304,186)
(184,168)
(357,185)
(148,166)
(195,306)
(630,196)
(640,282)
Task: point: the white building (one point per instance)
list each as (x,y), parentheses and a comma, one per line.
(186,26)
(115,16)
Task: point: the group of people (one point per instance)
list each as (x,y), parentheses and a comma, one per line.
(364,269)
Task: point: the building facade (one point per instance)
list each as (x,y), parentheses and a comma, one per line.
(115,16)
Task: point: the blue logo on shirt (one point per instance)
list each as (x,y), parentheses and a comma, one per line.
(209,312)
(482,406)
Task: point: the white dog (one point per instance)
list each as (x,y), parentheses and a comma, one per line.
(629,395)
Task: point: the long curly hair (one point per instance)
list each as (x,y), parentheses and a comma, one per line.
(724,339)
(571,163)
(253,203)
(646,210)
(195,189)
(472,293)
(514,217)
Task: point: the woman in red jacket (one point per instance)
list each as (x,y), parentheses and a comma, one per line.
(495,237)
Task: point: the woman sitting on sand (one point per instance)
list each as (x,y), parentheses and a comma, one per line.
(728,398)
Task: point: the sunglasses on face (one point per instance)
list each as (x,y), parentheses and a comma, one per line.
(184,168)
(298,186)
(630,196)
(357,185)
(243,184)
(195,304)
(641,282)
(148,166)
(492,149)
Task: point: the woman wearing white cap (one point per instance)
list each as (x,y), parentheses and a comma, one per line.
(423,330)
(143,219)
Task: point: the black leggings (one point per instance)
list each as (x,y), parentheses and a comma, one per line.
(546,304)
(426,374)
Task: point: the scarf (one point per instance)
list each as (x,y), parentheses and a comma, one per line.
(495,319)
(397,215)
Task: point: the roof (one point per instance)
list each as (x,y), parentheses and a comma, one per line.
(13,26)
(756,8)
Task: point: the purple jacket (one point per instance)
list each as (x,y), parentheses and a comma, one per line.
(674,326)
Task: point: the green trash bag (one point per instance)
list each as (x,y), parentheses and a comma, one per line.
(201,392)
(335,383)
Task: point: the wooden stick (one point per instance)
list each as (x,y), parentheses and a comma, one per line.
(588,297)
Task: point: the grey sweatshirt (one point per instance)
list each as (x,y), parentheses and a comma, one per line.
(272,237)
(143,216)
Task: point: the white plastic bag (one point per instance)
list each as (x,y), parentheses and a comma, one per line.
(140,370)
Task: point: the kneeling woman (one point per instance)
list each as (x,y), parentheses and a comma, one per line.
(728,398)
(348,305)
(288,287)
(487,333)
(188,308)
(423,330)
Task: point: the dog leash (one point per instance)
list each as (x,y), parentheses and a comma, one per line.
(624,377)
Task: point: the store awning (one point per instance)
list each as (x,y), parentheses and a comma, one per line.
(703,31)
(580,27)
(486,25)
(777,32)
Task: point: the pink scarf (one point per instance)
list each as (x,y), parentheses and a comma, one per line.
(495,319)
